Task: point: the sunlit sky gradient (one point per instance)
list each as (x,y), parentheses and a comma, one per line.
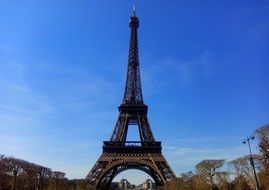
(63,66)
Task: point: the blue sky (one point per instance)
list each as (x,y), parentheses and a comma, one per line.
(63,64)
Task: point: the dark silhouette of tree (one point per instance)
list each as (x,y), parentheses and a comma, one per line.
(4,179)
(30,175)
(262,134)
(15,168)
(17,174)
(57,176)
(42,174)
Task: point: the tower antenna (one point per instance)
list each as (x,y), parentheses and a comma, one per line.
(134,10)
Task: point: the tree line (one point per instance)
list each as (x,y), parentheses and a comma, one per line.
(238,174)
(17,174)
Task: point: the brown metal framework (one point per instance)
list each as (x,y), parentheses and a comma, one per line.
(120,155)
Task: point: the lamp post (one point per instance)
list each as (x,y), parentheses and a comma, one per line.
(251,159)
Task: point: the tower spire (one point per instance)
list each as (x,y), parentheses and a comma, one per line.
(133,90)
(134,10)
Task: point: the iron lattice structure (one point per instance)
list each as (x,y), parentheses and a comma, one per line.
(120,155)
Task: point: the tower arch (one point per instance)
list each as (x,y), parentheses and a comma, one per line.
(118,167)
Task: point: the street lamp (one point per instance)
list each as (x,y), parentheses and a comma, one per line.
(251,158)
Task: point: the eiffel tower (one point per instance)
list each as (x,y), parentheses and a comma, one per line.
(120,155)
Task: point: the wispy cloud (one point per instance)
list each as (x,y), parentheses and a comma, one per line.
(185,153)
(7,48)
(259,31)
(21,105)
(88,92)
(14,146)
(52,152)
(31,118)
(199,153)
(201,140)
(171,71)
(78,87)
(182,159)
(206,62)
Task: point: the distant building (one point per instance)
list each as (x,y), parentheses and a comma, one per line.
(147,185)
(114,186)
(124,184)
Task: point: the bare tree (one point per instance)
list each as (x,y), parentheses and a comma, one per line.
(42,174)
(175,184)
(30,172)
(17,174)
(57,176)
(222,179)
(188,180)
(15,168)
(3,173)
(263,137)
(200,182)
(242,170)
(2,166)
(208,168)
(238,167)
